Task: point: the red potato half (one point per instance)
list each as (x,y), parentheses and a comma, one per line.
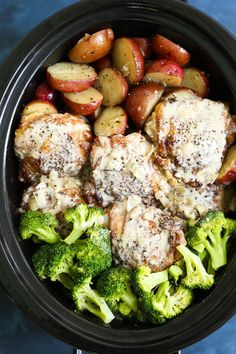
(145,46)
(46,93)
(227,172)
(92,47)
(128,58)
(39,106)
(180,94)
(164,71)
(112,85)
(165,48)
(70,77)
(113,120)
(85,102)
(142,100)
(196,80)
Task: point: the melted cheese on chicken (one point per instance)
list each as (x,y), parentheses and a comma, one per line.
(144,235)
(121,166)
(58,142)
(53,194)
(191,138)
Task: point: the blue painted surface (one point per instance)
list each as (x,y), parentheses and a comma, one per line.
(17,332)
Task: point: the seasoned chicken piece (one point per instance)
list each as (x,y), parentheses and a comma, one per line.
(144,235)
(58,142)
(53,194)
(121,166)
(190,137)
(184,200)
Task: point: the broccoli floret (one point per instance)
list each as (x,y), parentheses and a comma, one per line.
(145,281)
(93,253)
(41,259)
(60,263)
(55,262)
(40,225)
(114,284)
(86,298)
(145,284)
(177,271)
(170,300)
(82,217)
(212,232)
(196,274)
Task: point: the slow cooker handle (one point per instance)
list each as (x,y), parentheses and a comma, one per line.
(78,351)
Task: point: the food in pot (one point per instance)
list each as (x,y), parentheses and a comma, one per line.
(126,205)
(49,142)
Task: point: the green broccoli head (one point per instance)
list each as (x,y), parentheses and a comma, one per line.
(196,274)
(93,253)
(170,300)
(114,284)
(82,217)
(146,281)
(41,259)
(212,233)
(40,225)
(55,262)
(85,298)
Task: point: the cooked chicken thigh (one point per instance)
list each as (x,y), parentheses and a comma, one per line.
(58,142)
(121,166)
(190,137)
(53,194)
(144,235)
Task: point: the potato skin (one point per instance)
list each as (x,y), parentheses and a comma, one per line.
(84,109)
(141,101)
(165,48)
(93,47)
(166,71)
(145,46)
(45,92)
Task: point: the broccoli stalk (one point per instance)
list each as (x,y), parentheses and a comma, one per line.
(114,285)
(196,274)
(93,254)
(86,298)
(39,225)
(212,233)
(176,271)
(82,217)
(170,301)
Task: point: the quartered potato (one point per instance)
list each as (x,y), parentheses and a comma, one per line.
(46,93)
(128,58)
(145,46)
(70,77)
(39,106)
(142,100)
(165,48)
(92,47)
(164,71)
(85,102)
(112,85)
(196,80)
(113,120)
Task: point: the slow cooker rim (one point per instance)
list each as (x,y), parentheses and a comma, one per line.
(2,103)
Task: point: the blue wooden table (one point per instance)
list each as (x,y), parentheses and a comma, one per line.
(18,335)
